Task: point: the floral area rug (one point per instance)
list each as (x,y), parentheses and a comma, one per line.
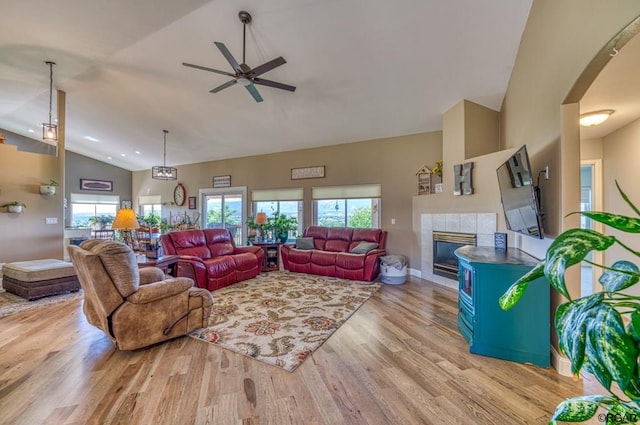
(280,318)
(10,303)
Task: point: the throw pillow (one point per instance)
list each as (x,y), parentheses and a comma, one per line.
(305,243)
(364,247)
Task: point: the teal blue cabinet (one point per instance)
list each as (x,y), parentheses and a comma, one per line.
(521,334)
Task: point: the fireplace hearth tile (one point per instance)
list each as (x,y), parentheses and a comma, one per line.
(487,223)
(468,223)
(452,223)
(427,222)
(439,222)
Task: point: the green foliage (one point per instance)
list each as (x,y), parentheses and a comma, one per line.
(591,332)
(281,222)
(281,225)
(13,204)
(214,216)
(361,217)
(101,221)
(152,219)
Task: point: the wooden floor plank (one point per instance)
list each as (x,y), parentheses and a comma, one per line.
(398,360)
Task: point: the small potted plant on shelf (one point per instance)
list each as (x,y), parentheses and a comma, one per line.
(280,225)
(591,329)
(49,188)
(14,207)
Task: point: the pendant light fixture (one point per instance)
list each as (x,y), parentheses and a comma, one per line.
(162,172)
(49,130)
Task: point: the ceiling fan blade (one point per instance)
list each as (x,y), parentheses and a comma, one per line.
(228,56)
(223,86)
(204,68)
(268,66)
(254,92)
(269,83)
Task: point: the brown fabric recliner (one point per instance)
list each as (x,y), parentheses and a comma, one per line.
(135,307)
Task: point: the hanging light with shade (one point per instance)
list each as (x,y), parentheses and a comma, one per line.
(50,130)
(162,172)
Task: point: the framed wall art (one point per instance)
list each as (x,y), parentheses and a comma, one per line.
(222,181)
(192,202)
(101,185)
(316,172)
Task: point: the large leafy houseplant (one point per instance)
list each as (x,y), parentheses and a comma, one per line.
(591,330)
(281,224)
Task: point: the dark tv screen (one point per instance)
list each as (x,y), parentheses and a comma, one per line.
(518,194)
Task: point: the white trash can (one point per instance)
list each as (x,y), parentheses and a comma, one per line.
(393,269)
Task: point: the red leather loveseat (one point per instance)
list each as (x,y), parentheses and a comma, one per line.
(333,252)
(211,258)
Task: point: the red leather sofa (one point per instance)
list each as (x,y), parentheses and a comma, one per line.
(331,254)
(211,258)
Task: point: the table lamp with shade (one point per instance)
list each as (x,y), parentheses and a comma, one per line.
(126,221)
(260,221)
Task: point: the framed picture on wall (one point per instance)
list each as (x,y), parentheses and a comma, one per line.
(222,181)
(307,172)
(125,204)
(101,185)
(192,202)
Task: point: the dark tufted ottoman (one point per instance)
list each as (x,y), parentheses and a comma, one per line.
(39,278)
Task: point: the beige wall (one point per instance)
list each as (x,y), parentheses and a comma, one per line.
(591,149)
(482,130)
(26,236)
(621,153)
(392,162)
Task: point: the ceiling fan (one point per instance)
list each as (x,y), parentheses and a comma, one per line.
(244,74)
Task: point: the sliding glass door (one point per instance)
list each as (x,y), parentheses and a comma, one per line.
(225,208)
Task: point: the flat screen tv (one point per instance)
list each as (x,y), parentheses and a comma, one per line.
(520,195)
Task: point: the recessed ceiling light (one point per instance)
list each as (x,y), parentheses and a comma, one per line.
(93,139)
(122,154)
(138,152)
(30,130)
(109,157)
(595,118)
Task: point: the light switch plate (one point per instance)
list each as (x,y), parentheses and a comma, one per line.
(51,220)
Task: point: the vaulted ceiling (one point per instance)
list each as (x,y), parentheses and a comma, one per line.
(363,70)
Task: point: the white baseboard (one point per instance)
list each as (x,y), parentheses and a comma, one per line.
(415,273)
(560,363)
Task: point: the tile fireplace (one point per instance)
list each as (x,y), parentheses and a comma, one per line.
(482,225)
(445,263)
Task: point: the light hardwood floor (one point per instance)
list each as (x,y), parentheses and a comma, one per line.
(398,360)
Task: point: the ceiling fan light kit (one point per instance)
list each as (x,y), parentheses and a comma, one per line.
(243,73)
(162,172)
